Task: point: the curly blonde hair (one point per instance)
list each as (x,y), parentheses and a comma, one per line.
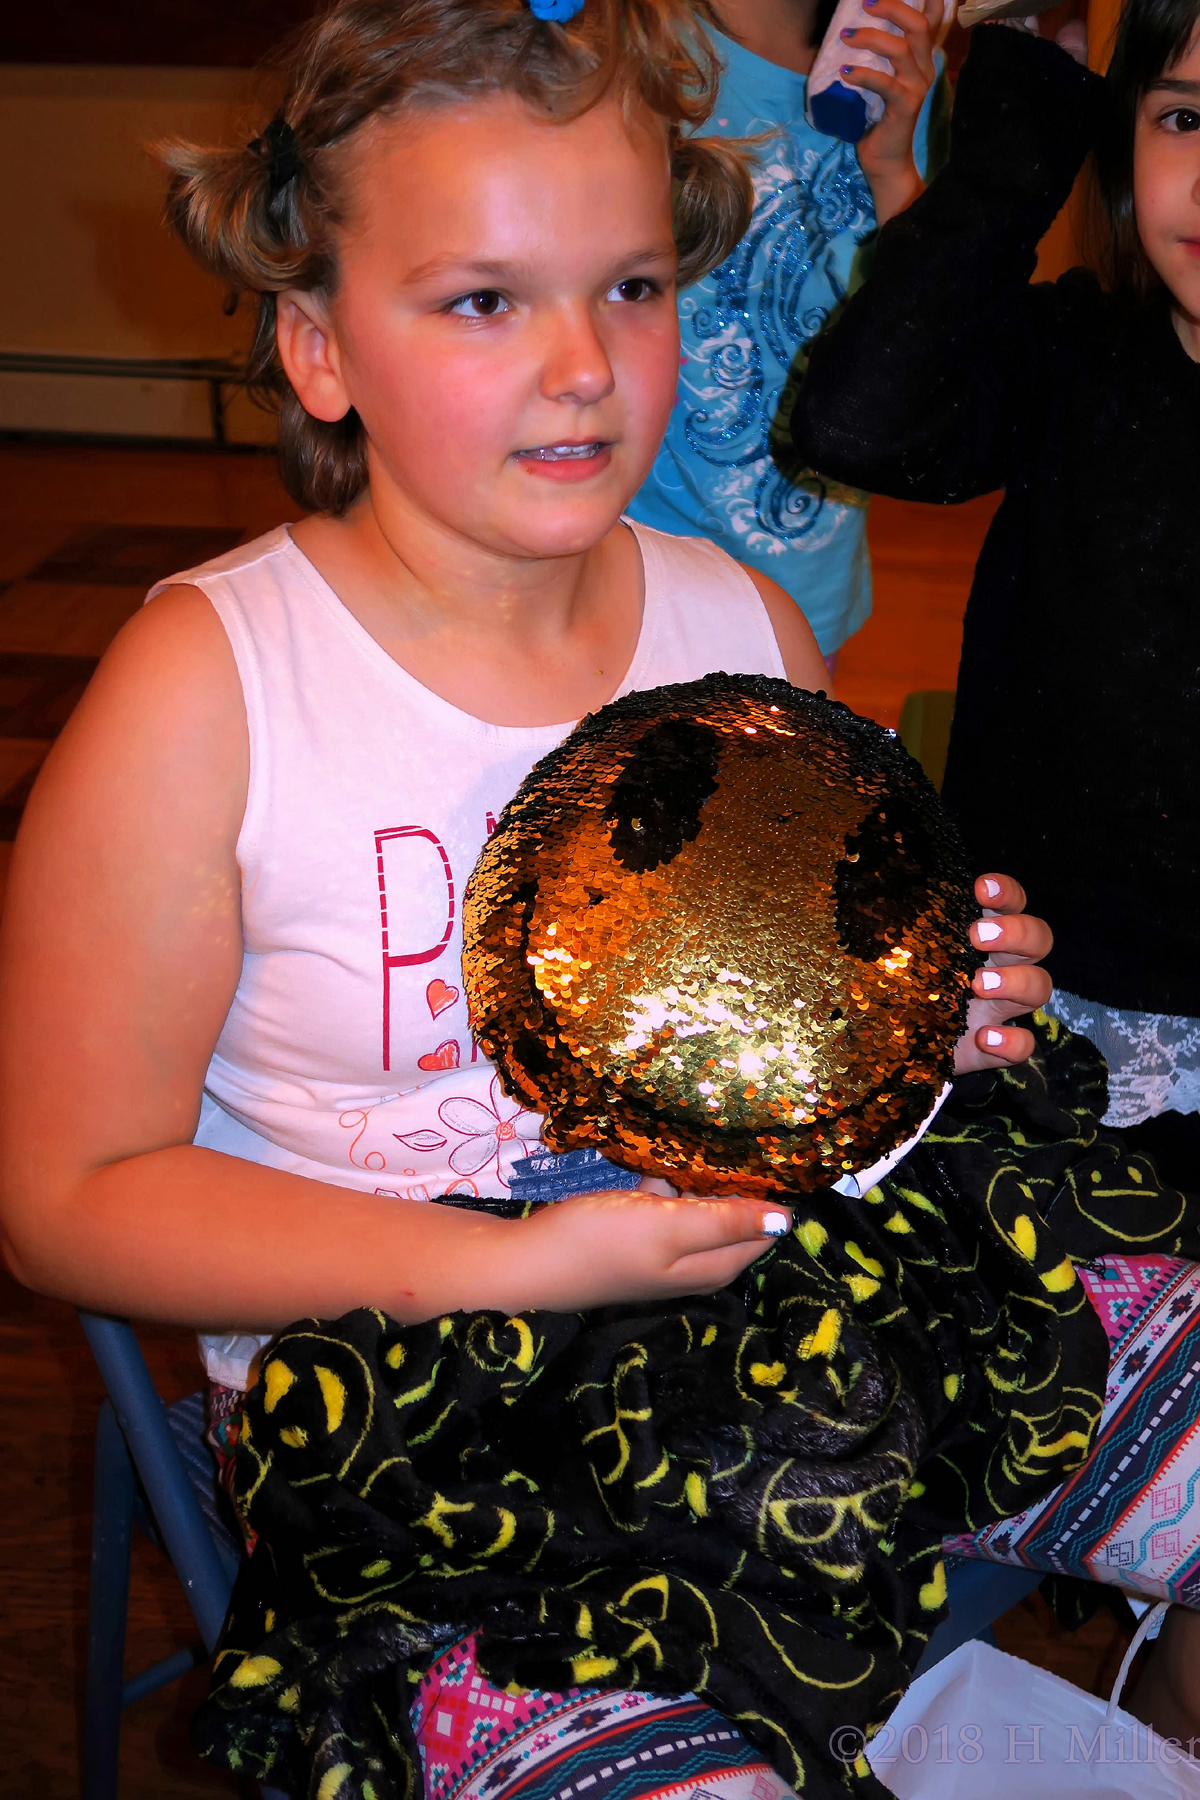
(264,217)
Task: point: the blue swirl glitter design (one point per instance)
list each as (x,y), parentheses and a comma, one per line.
(758,311)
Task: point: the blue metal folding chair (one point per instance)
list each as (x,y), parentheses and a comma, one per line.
(979,1592)
(143,1445)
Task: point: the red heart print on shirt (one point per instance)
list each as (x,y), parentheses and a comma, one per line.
(444,1057)
(439,995)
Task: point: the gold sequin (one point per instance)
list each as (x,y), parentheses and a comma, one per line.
(720,935)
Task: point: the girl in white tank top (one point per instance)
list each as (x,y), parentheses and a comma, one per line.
(247,853)
(347,1055)
(242,871)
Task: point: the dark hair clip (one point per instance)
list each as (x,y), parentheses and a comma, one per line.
(279,150)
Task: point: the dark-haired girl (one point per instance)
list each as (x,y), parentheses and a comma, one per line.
(1075,755)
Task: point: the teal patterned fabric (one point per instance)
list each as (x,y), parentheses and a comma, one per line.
(725,470)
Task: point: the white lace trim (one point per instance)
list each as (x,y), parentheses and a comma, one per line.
(1153,1058)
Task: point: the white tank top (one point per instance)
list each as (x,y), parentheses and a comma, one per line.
(347,1055)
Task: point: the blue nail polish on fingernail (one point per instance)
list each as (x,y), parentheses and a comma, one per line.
(847,69)
(775,1224)
(848,32)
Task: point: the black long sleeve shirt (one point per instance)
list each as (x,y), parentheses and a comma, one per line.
(1075,755)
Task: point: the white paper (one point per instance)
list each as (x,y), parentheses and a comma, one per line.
(981,1725)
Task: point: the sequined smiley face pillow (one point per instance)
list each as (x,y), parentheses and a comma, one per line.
(720,935)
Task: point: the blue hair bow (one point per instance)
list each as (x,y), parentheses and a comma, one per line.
(557,10)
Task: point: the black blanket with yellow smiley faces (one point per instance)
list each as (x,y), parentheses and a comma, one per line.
(720,936)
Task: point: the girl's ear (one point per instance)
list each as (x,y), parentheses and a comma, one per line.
(309,353)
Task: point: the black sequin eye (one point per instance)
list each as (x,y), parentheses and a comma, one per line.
(658,796)
(881,883)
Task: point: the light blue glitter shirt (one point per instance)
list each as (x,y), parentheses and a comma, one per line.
(743,329)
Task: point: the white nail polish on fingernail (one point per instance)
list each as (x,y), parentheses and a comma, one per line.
(775,1225)
(989,979)
(993,1038)
(988,931)
(990,887)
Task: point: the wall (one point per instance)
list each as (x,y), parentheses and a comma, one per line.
(227,34)
(90,268)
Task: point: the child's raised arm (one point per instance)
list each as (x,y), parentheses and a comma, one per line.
(923,386)
(121,954)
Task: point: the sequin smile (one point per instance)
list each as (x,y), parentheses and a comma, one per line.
(719,936)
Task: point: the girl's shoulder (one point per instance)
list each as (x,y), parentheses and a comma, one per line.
(1109,341)
(269,557)
(269,602)
(694,569)
(707,610)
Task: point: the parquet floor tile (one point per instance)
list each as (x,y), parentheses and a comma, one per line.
(69,619)
(19,757)
(20,760)
(1090,1657)
(22,544)
(38,692)
(133,555)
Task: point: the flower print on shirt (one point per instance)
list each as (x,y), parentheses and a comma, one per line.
(488,1130)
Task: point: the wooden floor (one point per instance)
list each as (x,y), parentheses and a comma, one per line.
(83,531)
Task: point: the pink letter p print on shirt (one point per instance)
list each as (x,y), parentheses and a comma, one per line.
(413,860)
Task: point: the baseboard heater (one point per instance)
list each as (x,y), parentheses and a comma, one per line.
(28,403)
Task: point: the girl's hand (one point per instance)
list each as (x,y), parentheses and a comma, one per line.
(885,154)
(604,1249)
(1010,982)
